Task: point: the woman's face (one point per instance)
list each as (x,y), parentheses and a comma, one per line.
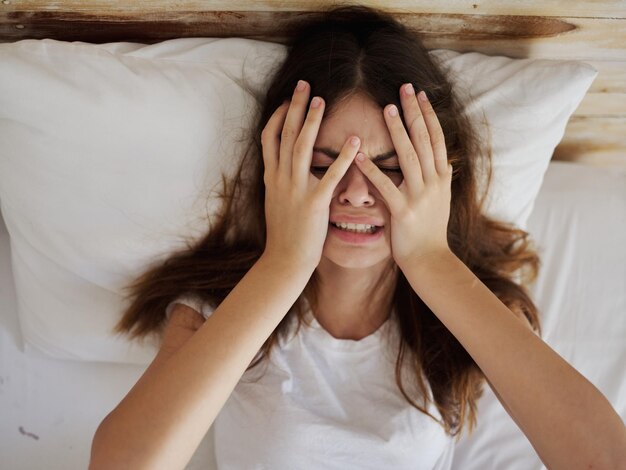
(355,196)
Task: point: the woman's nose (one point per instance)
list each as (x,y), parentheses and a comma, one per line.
(355,188)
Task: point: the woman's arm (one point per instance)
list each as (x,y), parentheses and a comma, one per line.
(566,418)
(163,418)
(161,421)
(568,421)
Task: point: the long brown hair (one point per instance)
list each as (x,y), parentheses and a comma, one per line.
(341,52)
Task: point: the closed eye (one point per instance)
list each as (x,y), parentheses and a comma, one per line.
(319,168)
(322,169)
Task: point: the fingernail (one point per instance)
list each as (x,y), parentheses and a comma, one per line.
(422,96)
(354,141)
(409,90)
(360,157)
(393,111)
(316,102)
(301,85)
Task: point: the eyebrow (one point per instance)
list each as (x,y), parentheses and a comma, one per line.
(334,154)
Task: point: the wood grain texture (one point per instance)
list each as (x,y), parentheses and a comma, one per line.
(597,8)
(596,141)
(562,29)
(602,104)
(611,76)
(513,35)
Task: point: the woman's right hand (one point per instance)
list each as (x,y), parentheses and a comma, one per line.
(297,204)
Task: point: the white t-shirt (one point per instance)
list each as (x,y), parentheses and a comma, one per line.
(326,403)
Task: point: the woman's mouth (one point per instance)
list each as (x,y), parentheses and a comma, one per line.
(355,233)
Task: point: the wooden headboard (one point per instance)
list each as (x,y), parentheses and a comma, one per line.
(562,29)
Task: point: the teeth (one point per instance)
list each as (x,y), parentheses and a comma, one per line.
(359,228)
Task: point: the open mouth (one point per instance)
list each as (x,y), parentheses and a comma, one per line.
(357,228)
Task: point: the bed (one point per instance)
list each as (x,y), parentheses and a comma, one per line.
(52,398)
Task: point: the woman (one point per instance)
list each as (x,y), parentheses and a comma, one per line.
(351,258)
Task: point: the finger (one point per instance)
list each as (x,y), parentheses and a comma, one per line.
(417,129)
(338,168)
(387,189)
(410,162)
(270,137)
(437,139)
(292,127)
(303,149)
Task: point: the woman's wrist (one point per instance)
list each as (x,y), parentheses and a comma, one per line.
(291,265)
(427,261)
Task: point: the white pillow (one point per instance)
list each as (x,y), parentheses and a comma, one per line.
(109,153)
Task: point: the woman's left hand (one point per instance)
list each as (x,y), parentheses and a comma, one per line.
(420,205)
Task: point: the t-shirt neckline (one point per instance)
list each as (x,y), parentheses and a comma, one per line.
(324,337)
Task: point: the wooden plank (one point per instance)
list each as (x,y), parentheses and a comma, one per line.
(603,104)
(514,36)
(611,76)
(551,38)
(595,9)
(597,141)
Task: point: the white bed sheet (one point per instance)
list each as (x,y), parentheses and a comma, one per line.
(50,408)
